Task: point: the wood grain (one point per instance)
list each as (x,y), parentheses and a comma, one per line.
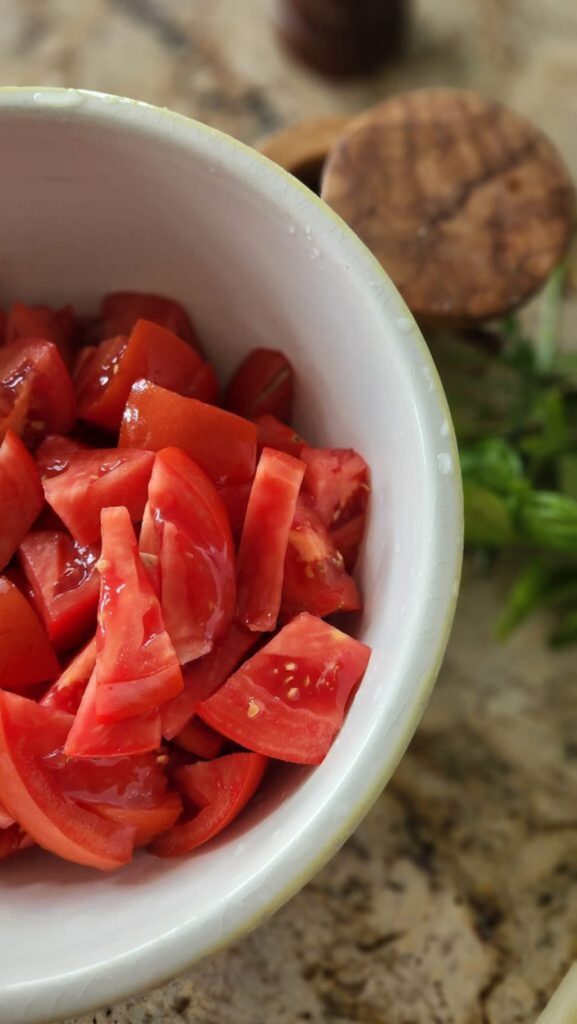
(302,148)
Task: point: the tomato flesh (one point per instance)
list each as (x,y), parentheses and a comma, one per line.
(104,378)
(36,392)
(120,311)
(187,528)
(93,479)
(199,739)
(288,701)
(31,792)
(274,434)
(147,822)
(90,737)
(216,791)
(338,481)
(65,585)
(222,444)
(262,385)
(21,494)
(26,655)
(265,534)
(58,326)
(67,691)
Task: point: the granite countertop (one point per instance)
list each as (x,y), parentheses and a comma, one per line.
(456,900)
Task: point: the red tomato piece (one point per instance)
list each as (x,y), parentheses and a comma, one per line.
(12,840)
(67,692)
(54,454)
(120,311)
(26,656)
(6,820)
(348,538)
(199,739)
(288,701)
(217,791)
(104,378)
(235,498)
(58,326)
(223,445)
(21,494)
(274,434)
(338,480)
(315,577)
(29,732)
(136,665)
(147,822)
(64,583)
(204,676)
(90,737)
(95,479)
(263,383)
(136,782)
(187,527)
(265,534)
(36,393)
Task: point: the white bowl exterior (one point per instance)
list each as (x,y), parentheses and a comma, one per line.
(101,194)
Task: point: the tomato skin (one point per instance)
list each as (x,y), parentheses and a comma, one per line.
(36,392)
(199,739)
(187,527)
(58,326)
(65,585)
(104,378)
(262,384)
(315,577)
(222,444)
(204,676)
(148,822)
(119,312)
(21,494)
(274,434)
(265,534)
(94,479)
(136,665)
(67,691)
(218,790)
(26,655)
(30,791)
(91,738)
(288,701)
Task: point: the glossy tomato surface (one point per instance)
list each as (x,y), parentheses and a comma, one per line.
(21,494)
(26,655)
(65,584)
(36,392)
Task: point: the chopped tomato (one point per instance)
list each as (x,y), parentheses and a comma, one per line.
(64,583)
(89,737)
(129,782)
(338,480)
(12,840)
(54,454)
(347,539)
(21,494)
(199,739)
(28,788)
(120,311)
(6,820)
(274,434)
(235,498)
(216,792)
(315,577)
(95,479)
(36,393)
(288,701)
(262,384)
(187,527)
(223,445)
(67,691)
(104,378)
(26,656)
(58,326)
(265,534)
(136,665)
(147,822)
(204,676)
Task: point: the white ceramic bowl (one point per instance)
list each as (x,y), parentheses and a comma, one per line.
(98,194)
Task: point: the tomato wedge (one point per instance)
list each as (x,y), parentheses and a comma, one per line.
(223,445)
(26,655)
(53,455)
(104,378)
(265,534)
(136,665)
(199,739)
(235,499)
(147,822)
(67,691)
(21,494)
(58,326)
(217,791)
(94,479)
(263,384)
(274,434)
(29,732)
(36,393)
(288,701)
(12,840)
(315,577)
(120,311)
(338,481)
(64,583)
(186,526)
(89,737)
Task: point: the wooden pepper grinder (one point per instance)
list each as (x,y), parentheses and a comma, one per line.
(342,37)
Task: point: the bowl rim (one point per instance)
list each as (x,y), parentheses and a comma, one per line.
(159,961)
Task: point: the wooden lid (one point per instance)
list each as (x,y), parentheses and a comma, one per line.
(302,148)
(466,204)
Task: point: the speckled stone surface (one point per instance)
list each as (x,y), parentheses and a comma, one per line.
(456,900)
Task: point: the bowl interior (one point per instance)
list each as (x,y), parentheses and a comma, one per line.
(99,195)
